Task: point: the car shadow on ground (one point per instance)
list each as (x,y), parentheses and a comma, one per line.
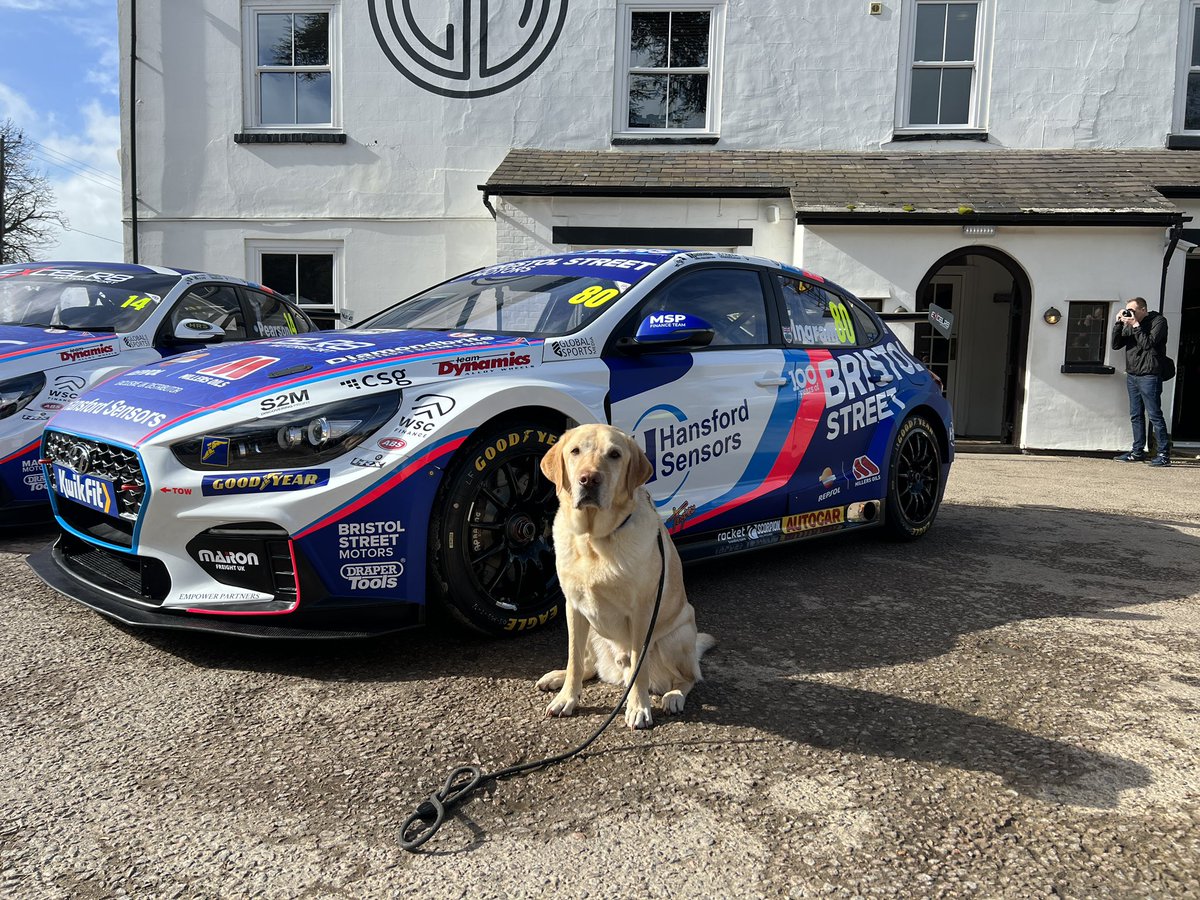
(787,615)
(813,607)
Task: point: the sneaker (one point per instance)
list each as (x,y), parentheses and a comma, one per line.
(1160,460)
(1131,456)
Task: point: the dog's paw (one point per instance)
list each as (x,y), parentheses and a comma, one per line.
(672,701)
(562,706)
(552,681)
(638,717)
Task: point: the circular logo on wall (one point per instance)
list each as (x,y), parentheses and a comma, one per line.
(485,48)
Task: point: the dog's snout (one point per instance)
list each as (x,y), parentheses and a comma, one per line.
(589,479)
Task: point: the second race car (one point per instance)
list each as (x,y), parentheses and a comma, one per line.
(65,326)
(333,483)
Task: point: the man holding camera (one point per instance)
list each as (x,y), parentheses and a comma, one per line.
(1142,333)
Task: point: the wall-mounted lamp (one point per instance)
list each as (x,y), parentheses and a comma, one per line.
(772,214)
(1051,316)
(900,309)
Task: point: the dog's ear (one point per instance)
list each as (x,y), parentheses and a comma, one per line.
(553,466)
(639,470)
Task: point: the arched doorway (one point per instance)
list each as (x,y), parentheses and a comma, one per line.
(982,363)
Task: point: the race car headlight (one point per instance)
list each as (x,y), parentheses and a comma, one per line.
(297,438)
(16,393)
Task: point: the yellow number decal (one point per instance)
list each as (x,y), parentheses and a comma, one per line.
(136,302)
(594,296)
(841,318)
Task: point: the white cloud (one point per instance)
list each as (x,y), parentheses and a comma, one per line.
(13,105)
(46,5)
(98,33)
(90,201)
(80,162)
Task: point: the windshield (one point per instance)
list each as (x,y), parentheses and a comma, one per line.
(532,305)
(48,300)
(541,297)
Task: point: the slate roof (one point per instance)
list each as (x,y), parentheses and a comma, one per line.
(848,186)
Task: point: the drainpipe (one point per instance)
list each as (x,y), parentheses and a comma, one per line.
(487,203)
(1173,240)
(133,198)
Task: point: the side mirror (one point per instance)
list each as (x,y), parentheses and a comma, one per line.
(197,331)
(668,331)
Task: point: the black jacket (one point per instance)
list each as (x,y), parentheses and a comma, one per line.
(1145,346)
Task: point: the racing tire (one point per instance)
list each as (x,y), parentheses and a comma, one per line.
(491,532)
(914,480)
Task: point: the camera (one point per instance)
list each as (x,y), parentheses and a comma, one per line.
(1127,314)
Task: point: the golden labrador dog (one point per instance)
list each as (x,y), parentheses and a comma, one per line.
(608,564)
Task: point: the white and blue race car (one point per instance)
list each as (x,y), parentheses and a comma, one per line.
(65,326)
(335,483)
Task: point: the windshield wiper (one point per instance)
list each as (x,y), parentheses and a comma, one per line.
(104,328)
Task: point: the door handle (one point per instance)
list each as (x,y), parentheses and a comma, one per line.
(770,381)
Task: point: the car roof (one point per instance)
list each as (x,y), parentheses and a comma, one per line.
(93,266)
(121,268)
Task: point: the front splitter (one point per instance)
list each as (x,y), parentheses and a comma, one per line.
(49,566)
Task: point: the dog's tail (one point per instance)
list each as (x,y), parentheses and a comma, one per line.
(704,643)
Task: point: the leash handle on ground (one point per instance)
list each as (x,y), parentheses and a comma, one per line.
(465,780)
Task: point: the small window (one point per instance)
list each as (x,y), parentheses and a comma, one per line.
(944,70)
(291,66)
(669,68)
(819,318)
(1087,332)
(730,300)
(1188,101)
(272,317)
(307,279)
(217,304)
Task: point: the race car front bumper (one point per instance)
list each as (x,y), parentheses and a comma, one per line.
(123,588)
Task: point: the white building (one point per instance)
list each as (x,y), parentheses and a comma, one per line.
(1002,158)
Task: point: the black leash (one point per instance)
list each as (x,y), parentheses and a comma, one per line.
(465,780)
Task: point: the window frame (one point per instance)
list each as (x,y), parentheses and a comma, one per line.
(251,109)
(858,310)
(1104,333)
(255,249)
(166,330)
(980,67)
(716,43)
(248,300)
(1188,36)
(628,325)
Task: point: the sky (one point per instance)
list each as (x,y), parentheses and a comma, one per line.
(59,84)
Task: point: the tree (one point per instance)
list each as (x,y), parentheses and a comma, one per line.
(30,216)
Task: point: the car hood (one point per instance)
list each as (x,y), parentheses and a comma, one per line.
(135,405)
(26,349)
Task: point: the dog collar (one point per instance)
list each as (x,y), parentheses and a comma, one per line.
(623,524)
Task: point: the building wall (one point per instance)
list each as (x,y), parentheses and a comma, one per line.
(1080,412)
(524,225)
(401,198)
(798,74)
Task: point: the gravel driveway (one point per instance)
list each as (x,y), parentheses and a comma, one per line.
(1008,708)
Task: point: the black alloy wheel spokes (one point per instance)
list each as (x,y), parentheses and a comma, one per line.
(510,545)
(917,477)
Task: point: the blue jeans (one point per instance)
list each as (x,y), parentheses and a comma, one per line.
(1145,399)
